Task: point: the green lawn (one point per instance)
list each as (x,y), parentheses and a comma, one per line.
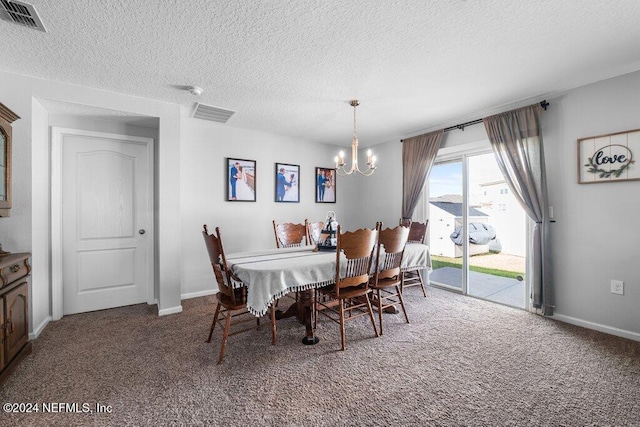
(439,262)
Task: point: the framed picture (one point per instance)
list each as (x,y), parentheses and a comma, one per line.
(287,184)
(325,185)
(608,158)
(241,180)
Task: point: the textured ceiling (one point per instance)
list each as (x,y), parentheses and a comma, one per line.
(291,66)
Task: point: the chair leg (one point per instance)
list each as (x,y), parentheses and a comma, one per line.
(404,310)
(342,331)
(379,301)
(373,322)
(424,292)
(273,325)
(213,324)
(227,326)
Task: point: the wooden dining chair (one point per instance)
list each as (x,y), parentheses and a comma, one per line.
(289,235)
(413,277)
(350,292)
(314,230)
(387,279)
(231,301)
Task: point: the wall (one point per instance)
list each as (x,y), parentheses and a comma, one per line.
(244,225)
(596,237)
(28,228)
(377,197)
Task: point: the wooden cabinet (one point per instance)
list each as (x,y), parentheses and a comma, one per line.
(6,118)
(14,311)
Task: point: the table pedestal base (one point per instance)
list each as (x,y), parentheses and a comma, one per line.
(310,340)
(303,310)
(391,310)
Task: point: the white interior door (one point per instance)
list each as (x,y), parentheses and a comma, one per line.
(106,220)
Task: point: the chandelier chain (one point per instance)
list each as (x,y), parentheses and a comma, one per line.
(355,133)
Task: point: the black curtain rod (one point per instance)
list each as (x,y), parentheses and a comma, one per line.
(461,126)
(544,104)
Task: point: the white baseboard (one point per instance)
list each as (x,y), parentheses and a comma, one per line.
(37,331)
(198,294)
(597,327)
(171,310)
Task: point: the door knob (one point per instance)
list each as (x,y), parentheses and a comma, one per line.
(141,231)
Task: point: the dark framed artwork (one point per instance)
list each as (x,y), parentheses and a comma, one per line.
(325,185)
(241,180)
(287,183)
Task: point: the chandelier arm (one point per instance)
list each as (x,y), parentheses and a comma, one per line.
(368,172)
(343,172)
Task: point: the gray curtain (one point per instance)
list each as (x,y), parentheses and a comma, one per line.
(516,138)
(418,154)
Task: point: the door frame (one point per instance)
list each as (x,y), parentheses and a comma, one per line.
(57,142)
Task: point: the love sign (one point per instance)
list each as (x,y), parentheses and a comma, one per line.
(608,158)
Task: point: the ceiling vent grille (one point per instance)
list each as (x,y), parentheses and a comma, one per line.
(21,13)
(213,114)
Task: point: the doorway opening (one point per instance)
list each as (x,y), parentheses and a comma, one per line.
(477,230)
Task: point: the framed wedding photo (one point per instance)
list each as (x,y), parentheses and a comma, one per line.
(287,183)
(241,180)
(325,185)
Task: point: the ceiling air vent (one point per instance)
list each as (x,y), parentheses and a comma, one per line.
(21,13)
(213,114)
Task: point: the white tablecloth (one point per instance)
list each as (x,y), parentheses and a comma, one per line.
(271,274)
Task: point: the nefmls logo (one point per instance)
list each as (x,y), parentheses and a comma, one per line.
(610,160)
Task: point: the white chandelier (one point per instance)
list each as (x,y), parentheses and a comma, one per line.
(371,159)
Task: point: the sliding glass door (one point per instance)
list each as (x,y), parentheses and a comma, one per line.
(477,230)
(445,216)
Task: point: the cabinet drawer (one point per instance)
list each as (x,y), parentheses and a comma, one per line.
(13,268)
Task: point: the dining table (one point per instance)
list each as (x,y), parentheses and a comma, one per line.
(271,274)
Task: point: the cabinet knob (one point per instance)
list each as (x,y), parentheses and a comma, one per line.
(141,231)
(14,268)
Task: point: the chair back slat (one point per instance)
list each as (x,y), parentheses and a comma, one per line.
(390,266)
(289,235)
(357,249)
(357,272)
(218,261)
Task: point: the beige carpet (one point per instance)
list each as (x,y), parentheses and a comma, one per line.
(461,362)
